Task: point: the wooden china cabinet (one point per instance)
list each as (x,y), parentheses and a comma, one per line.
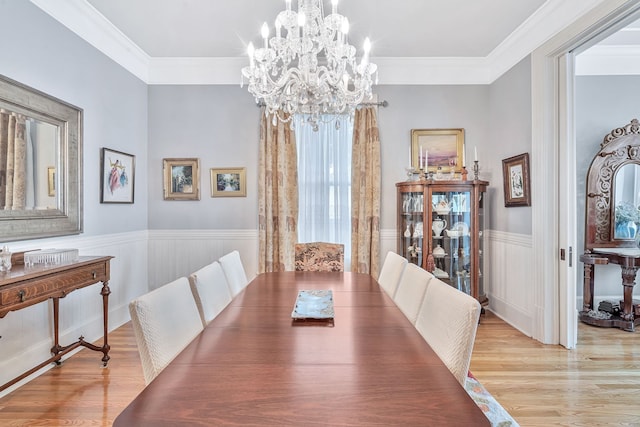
(440,228)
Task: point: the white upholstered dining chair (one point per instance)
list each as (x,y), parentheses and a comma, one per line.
(231,264)
(210,290)
(391,272)
(448,320)
(411,289)
(164,321)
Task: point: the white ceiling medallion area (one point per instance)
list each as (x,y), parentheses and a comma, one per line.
(84,20)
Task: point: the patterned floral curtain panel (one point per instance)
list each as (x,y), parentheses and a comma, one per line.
(365,193)
(12,161)
(277,196)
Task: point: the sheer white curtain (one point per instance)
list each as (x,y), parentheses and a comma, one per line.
(324,182)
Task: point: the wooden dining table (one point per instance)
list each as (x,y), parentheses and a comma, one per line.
(255,365)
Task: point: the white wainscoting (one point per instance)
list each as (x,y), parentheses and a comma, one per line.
(27,335)
(177,253)
(508,282)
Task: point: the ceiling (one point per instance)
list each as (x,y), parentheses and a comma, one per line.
(414,41)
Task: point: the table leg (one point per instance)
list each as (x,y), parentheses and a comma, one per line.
(56,335)
(105,316)
(588,287)
(628,282)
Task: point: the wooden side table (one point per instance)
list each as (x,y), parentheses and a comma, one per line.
(25,286)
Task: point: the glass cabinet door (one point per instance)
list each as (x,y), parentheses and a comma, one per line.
(452,249)
(411,233)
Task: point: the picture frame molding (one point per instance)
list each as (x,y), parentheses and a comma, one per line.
(169,192)
(213,175)
(521,161)
(129,161)
(418,137)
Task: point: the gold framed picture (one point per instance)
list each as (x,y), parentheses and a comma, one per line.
(433,148)
(229,182)
(181,179)
(51,179)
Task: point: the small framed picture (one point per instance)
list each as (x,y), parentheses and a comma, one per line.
(181,179)
(437,148)
(229,182)
(515,173)
(117,176)
(51,179)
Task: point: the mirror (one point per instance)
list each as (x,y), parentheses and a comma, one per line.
(613,191)
(626,201)
(40,164)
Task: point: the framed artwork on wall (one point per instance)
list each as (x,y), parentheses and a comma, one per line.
(433,148)
(51,180)
(515,173)
(229,182)
(117,176)
(181,179)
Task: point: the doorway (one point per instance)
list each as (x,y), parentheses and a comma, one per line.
(554,164)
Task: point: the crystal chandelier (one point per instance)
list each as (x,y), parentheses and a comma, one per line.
(309,67)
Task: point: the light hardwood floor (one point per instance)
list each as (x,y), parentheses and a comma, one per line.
(540,385)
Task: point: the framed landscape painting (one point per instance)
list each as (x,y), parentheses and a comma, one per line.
(433,148)
(117,176)
(181,179)
(229,182)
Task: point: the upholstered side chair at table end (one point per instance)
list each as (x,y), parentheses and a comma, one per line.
(319,256)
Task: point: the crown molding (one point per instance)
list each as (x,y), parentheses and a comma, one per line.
(551,18)
(84,20)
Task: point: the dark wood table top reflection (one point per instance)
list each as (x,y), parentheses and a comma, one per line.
(253,365)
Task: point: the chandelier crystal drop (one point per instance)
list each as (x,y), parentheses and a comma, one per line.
(308,67)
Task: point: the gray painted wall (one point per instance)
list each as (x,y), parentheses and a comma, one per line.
(52,59)
(510,122)
(220,126)
(425,107)
(602,104)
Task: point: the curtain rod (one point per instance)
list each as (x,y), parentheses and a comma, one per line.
(383,104)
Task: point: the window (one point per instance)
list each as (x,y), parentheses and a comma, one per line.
(324,182)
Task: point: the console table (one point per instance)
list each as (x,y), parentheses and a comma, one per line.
(629,261)
(24,286)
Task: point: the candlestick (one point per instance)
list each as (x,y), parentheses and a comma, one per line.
(476,169)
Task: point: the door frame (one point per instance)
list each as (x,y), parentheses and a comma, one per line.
(553,142)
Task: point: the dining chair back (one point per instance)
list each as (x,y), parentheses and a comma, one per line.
(319,256)
(231,264)
(411,289)
(164,321)
(210,290)
(448,321)
(391,272)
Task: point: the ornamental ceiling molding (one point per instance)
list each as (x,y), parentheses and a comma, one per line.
(85,21)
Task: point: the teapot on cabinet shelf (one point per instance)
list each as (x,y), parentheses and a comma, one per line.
(442,207)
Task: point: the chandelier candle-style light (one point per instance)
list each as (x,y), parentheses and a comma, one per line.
(308,66)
